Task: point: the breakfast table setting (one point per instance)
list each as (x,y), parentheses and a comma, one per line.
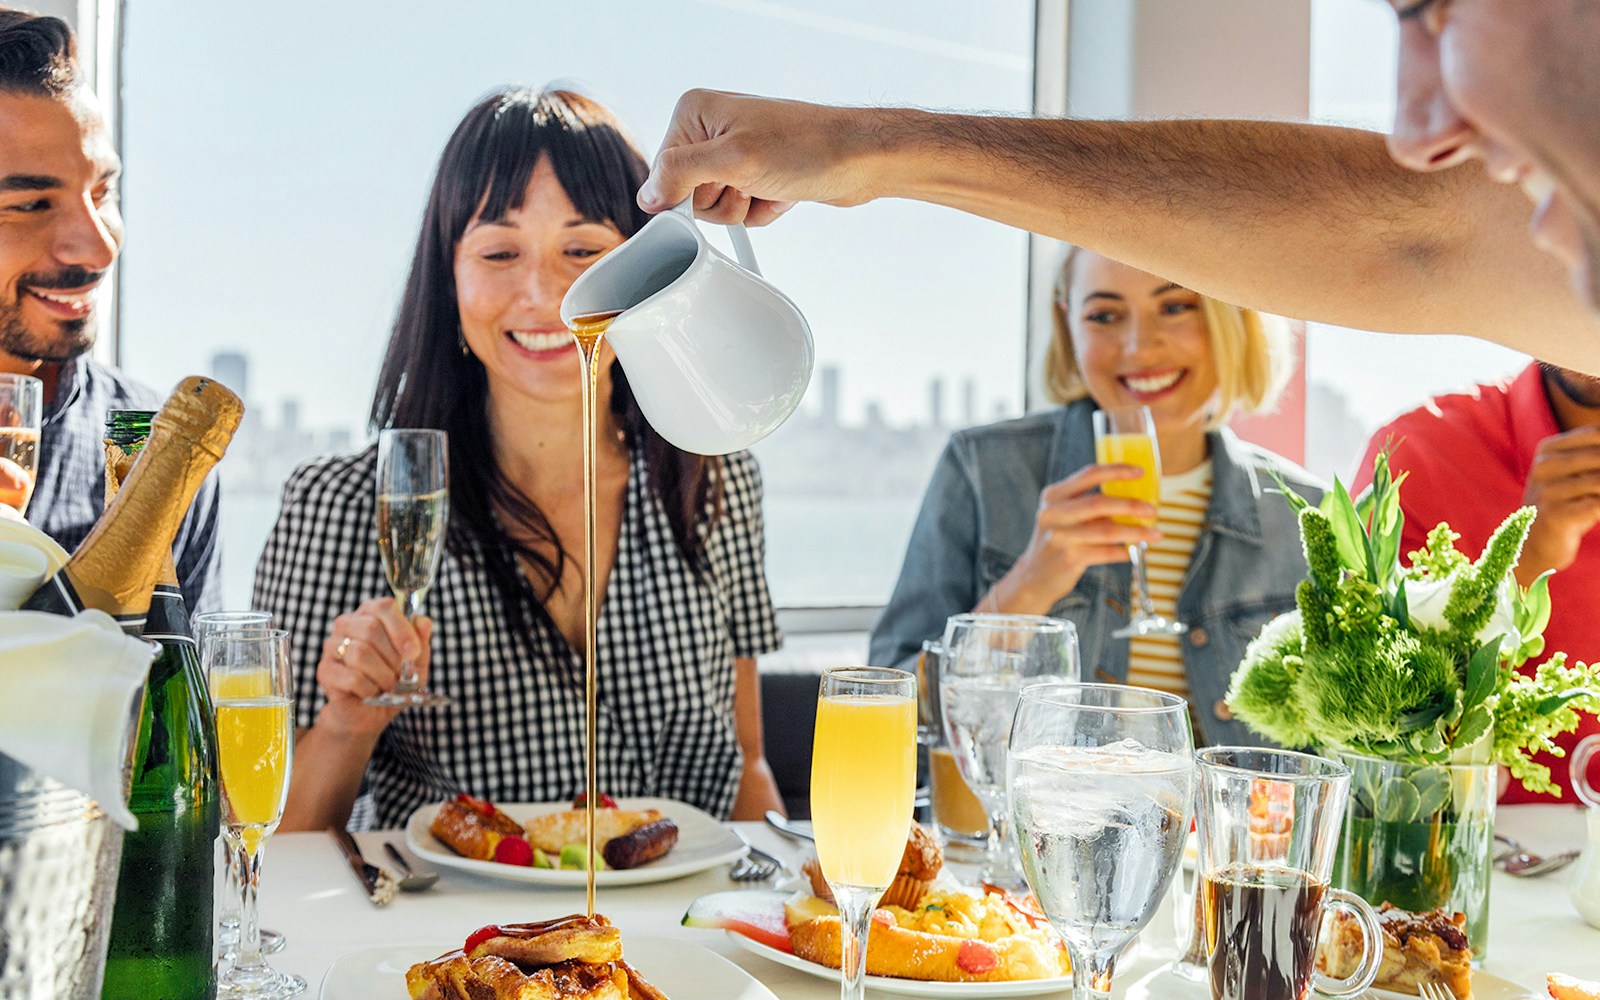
(348,948)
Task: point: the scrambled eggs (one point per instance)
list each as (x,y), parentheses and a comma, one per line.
(988,918)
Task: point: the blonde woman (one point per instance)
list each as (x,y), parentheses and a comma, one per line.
(1014,520)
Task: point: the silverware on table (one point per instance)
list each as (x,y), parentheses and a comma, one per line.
(1535,866)
(756,866)
(379,884)
(778,822)
(411,880)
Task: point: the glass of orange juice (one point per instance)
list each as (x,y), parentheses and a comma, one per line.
(21,415)
(1126,435)
(247,672)
(863,785)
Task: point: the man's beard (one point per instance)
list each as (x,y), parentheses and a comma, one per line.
(68,339)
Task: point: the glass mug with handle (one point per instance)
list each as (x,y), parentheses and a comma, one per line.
(987,660)
(21,416)
(863,789)
(413,515)
(960,821)
(1126,435)
(1269,825)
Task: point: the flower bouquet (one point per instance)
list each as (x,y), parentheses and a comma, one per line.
(1409,674)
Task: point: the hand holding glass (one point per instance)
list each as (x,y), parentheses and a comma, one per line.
(21,415)
(1126,435)
(863,787)
(1101,787)
(987,659)
(413,513)
(247,671)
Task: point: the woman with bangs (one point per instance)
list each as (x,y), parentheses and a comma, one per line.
(1014,522)
(531,189)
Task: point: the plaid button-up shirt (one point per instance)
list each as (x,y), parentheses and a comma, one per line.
(69,495)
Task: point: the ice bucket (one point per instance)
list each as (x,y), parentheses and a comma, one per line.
(58,877)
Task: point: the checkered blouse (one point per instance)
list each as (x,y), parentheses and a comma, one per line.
(667,641)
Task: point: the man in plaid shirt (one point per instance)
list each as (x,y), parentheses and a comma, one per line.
(60,231)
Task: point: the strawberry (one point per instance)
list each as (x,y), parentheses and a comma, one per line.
(977,957)
(481,806)
(582,799)
(514,851)
(479,936)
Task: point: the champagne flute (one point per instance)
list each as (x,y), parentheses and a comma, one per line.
(863,788)
(1101,780)
(201,625)
(1126,435)
(987,659)
(413,511)
(21,415)
(247,671)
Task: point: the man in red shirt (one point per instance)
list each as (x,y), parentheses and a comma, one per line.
(1478,455)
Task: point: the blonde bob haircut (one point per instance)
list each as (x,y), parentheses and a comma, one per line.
(1251,350)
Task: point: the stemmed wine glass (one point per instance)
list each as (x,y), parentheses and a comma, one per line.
(21,415)
(201,625)
(987,659)
(1101,783)
(247,671)
(1126,435)
(863,790)
(413,511)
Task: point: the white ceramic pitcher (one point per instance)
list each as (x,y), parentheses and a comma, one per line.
(1585,887)
(716,356)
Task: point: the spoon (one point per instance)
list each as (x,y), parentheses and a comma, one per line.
(410,880)
(778,822)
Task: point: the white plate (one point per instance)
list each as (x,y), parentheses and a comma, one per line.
(1485,986)
(702,843)
(1162,984)
(677,968)
(911,987)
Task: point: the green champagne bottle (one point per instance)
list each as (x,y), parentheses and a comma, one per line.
(161,930)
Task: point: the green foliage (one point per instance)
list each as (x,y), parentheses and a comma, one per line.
(1413,663)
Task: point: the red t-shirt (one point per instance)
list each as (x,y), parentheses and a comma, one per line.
(1468,456)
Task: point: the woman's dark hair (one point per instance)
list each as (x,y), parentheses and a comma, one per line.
(427,381)
(37,55)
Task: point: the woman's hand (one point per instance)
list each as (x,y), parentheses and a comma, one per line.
(361,657)
(1072,531)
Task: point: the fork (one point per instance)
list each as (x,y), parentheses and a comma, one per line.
(756,866)
(1432,989)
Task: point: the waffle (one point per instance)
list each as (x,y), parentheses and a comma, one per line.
(573,958)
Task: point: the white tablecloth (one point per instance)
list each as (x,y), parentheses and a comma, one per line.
(310,895)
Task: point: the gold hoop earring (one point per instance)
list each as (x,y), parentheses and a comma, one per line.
(461,341)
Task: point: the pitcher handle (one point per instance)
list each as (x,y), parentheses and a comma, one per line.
(742,250)
(1371,949)
(1587,748)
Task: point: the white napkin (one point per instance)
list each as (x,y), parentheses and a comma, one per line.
(70,684)
(27,558)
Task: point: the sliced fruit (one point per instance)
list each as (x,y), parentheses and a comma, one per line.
(481,806)
(514,851)
(756,914)
(479,936)
(803,906)
(572,857)
(542,859)
(582,799)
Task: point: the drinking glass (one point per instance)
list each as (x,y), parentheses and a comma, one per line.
(1269,822)
(863,787)
(247,671)
(21,414)
(987,659)
(1126,435)
(959,820)
(201,625)
(1101,788)
(413,512)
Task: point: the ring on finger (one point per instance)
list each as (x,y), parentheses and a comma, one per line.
(344,644)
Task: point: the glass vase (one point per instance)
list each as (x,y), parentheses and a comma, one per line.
(1420,836)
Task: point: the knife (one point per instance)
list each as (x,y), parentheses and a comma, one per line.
(379,884)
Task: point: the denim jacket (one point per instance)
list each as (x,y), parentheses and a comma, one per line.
(978,516)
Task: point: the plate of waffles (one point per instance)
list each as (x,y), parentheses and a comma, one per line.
(702,843)
(680,970)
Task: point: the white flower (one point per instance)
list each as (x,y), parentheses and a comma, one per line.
(1426,600)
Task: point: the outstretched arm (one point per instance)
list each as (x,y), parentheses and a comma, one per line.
(1308,221)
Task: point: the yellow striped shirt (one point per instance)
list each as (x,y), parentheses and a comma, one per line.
(1156,661)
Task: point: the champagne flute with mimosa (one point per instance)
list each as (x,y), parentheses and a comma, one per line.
(247,671)
(1126,435)
(21,415)
(863,786)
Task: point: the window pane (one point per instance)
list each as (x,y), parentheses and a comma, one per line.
(278,156)
(1348,397)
